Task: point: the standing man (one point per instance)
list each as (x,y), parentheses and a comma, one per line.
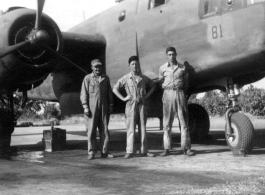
(135,85)
(175,83)
(97,100)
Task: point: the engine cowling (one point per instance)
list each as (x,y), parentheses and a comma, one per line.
(30,65)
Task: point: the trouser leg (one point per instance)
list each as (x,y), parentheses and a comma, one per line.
(139,128)
(182,112)
(104,133)
(130,124)
(168,117)
(142,124)
(91,134)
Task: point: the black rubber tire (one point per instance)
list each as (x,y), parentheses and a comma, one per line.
(243,131)
(199,122)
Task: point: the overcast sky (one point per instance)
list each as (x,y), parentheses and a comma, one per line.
(67,13)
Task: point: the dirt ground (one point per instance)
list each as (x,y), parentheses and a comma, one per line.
(214,169)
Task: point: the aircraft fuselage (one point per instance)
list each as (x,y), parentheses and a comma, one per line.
(218,40)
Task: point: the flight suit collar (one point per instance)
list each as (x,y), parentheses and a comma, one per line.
(138,76)
(176,65)
(102,76)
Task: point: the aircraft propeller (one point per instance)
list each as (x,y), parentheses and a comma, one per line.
(7,50)
(38,14)
(63,58)
(35,37)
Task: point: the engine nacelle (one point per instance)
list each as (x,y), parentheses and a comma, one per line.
(31,64)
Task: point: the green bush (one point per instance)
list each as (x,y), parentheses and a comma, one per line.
(251,100)
(213,101)
(36,110)
(52,111)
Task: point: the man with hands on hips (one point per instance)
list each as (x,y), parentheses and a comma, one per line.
(136,85)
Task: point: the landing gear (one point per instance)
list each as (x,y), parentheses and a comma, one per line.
(6,129)
(199,122)
(239,131)
(241,137)
(7,121)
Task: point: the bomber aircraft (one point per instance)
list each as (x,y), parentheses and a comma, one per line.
(222,41)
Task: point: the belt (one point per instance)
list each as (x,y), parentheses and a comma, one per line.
(172,88)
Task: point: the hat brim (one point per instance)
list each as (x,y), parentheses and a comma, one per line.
(97,64)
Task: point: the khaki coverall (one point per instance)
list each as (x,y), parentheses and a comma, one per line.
(96,94)
(135,111)
(175,82)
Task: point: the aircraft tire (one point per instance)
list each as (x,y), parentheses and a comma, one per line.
(243,131)
(199,122)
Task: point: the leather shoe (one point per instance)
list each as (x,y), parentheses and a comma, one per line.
(148,155)
(107,155)
(128,155)
(165,153)
(189,152)
(91,156)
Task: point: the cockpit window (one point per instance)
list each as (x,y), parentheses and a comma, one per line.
(156,3)
(209,7)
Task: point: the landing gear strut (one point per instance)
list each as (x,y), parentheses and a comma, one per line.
(239,131)
(8,120)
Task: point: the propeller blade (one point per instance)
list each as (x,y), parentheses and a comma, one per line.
(39,13)
(7,50)
(63,58)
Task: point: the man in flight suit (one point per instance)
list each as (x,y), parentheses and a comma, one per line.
(175,83)
(135,85)
(97,100)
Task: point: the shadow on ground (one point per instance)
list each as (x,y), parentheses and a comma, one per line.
(155,139)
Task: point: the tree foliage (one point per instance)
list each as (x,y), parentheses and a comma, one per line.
(40,110)
(213,101)
(51,111)
(33,107)
(251,100)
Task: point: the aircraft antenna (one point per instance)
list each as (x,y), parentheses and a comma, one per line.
(84,15)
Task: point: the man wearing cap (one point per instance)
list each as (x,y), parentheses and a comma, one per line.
(135,85)
(174,79)
(97,100)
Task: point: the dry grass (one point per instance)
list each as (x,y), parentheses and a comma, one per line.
(79,119)
(75,119)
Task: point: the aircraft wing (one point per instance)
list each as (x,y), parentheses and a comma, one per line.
(64,83)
